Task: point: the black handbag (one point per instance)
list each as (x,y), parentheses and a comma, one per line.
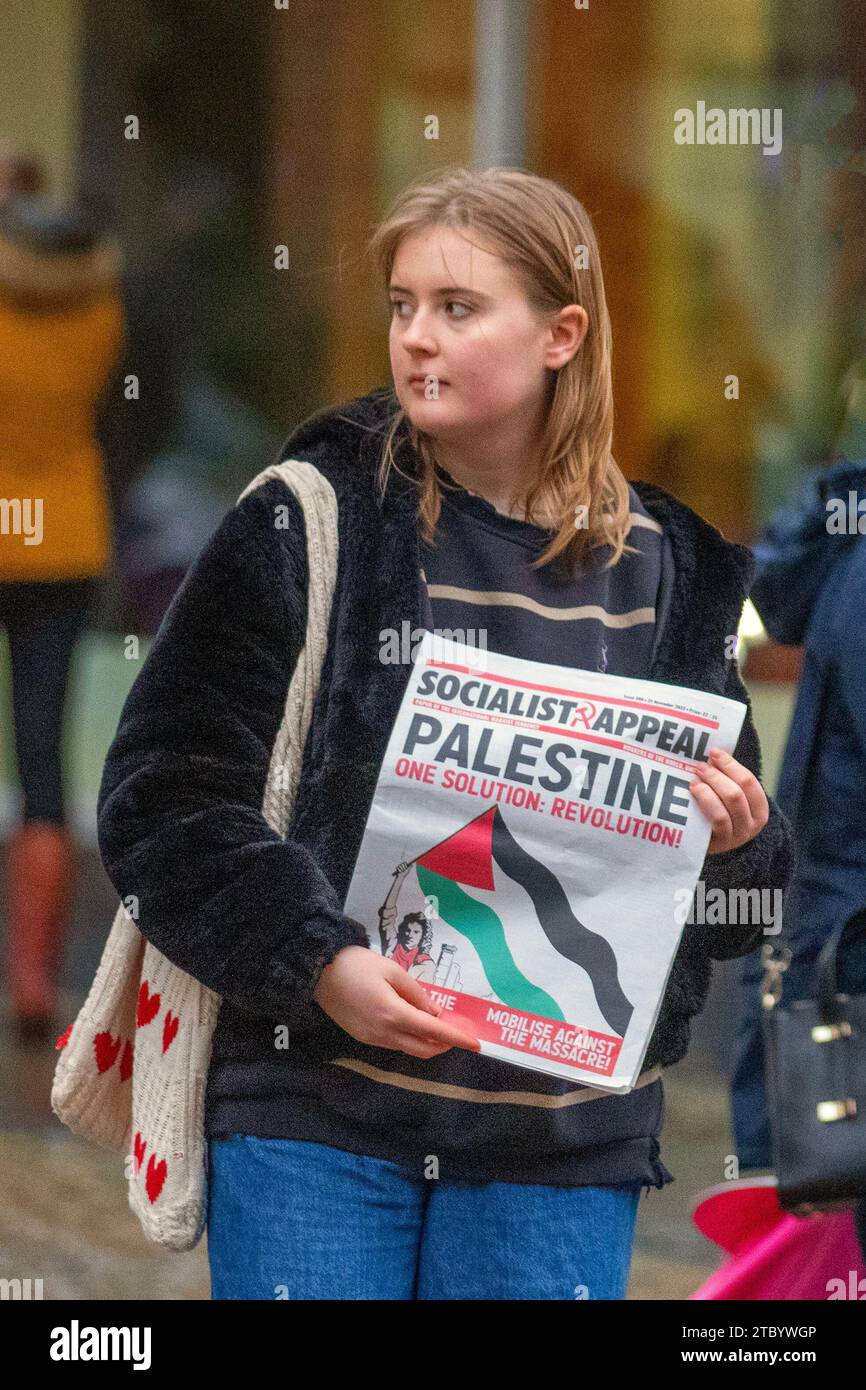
(816,1082)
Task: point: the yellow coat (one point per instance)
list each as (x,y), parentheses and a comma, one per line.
(61,335)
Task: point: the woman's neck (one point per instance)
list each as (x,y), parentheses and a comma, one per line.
(498,465)
(493,489)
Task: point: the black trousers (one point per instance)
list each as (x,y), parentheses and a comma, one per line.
(43,619)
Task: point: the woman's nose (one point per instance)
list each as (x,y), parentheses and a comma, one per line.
(416,332)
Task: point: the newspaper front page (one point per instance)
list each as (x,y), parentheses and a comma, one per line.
(528,848)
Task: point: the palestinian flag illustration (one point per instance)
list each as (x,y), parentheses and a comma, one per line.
(484,855)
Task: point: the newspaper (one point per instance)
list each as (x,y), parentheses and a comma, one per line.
(531,835)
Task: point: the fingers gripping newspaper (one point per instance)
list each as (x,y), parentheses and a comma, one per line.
(530,844)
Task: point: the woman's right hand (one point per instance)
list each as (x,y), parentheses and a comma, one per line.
(377,1003)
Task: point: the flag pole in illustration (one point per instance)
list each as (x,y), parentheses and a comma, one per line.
(467,857)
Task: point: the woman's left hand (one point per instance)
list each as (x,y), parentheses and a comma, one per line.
(732,799)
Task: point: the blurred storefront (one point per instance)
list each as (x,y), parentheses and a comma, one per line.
(292,125)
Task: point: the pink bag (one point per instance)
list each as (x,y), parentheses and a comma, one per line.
(773,1254)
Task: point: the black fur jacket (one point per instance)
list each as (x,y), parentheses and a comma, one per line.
(256,917)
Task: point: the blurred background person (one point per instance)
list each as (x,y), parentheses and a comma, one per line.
(810,590)
(61,334)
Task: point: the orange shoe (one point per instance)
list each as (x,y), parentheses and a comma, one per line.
(41,870)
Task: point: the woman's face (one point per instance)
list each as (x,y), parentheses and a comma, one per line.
(461,318)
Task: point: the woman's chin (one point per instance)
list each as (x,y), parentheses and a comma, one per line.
(431,417)
(415,402)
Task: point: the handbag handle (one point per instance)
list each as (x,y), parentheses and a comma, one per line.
(825,966)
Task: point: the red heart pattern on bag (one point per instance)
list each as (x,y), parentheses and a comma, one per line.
(63,1039)
(139,1148)
(155,1177)
(148,1005)
(169,1030)
(106,1048)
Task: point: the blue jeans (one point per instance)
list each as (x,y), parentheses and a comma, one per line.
(295,1220)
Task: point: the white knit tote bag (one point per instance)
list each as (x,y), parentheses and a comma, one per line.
(133,1066)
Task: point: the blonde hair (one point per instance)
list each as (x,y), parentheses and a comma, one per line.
(537,227)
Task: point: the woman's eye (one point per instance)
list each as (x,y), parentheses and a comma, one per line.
(397,304)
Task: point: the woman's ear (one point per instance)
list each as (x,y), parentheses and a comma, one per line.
(568,330)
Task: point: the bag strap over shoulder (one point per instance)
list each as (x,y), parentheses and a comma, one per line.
(319,504)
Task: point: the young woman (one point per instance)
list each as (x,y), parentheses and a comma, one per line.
(381,1155)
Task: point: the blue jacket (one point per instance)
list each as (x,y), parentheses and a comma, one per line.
(810,590)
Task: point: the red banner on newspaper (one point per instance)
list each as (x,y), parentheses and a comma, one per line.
(529,1033)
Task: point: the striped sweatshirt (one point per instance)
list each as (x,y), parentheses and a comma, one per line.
(480,580)
(481,588)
